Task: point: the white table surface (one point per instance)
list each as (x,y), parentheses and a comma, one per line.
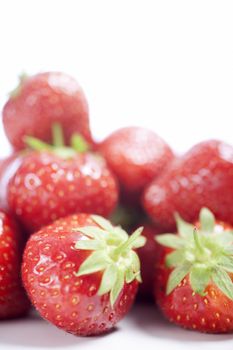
(142,328)
(166,65)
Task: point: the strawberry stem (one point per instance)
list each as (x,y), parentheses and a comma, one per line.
(78,143)
(127,244)
(57,133)
(114,253)
(37,144)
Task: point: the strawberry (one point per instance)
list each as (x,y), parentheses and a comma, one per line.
(56,181)
(13,299)
(202,177)
(81,273)
(136,156)
(41,100)
(148,257)
(194,287)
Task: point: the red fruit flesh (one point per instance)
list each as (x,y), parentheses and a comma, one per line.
(69,302)
(136,156)
(13,300)
(148,258)
(47,187)
(202,177)
(42,100)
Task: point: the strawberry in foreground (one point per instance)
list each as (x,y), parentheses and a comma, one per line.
(202,177)
(136,156)
(194,286)
(81,273)
(13,299)
(56,181)
(41,100)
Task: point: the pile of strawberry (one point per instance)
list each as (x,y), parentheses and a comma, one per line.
(66,202)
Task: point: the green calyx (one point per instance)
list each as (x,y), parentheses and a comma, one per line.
(113,254)
(206,255)
(78,144)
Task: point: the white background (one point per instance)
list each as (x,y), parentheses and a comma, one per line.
(164,64)
(167,65)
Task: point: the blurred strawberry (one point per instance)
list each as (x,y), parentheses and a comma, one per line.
(13,300)
(202,177)
(148,258)
(136,156)
(41,100)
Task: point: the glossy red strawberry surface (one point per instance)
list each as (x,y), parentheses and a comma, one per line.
(13,300)
(47,187)
(202,177)
(136,155)
(71,302)
(148,255)
(193,280)
(41,100)
(212,314)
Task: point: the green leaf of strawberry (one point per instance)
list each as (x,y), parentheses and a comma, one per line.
(199,278)
(78,143)
(205,255)
(113,253)
(207,220)
(97,261)
(176,276)
(223,282)
(184,228)
(108,279)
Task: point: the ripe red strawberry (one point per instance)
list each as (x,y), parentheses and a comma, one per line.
(202,177)
(8,167)
(194,287)
(41,100)
(136,155)
(13,300)
(81,273)
(58,181)
(148,255)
